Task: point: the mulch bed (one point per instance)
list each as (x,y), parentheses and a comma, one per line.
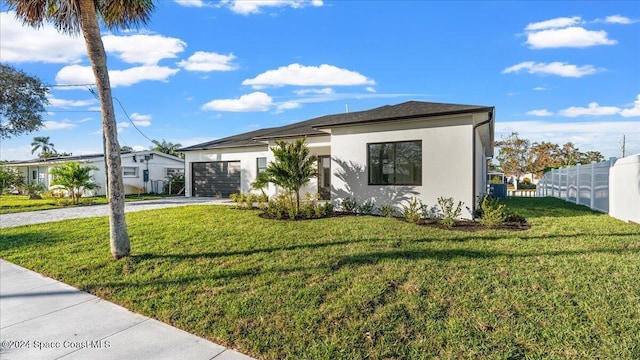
(461,225)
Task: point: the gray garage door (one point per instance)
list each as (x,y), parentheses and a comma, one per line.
(215,179)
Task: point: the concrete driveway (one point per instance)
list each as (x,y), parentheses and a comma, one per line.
(44,216)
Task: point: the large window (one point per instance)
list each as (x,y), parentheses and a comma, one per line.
(395,163)
(261,164)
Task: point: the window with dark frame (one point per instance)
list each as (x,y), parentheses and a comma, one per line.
(395,163)
(261,164)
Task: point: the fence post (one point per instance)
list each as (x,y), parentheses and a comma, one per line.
(578,183)
(592,205)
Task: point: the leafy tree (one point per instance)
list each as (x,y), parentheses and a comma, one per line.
(45,146)
(82,16)
(10,177)
(514,154)
(126,149)
(293,167)
(590,156)
(22,101)
(73,178)
(544,155)
(569,154)
(167,147)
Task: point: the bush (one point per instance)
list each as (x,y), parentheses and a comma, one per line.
(35,191)
(492,212)
(387,210)
(451,213)
(349,205)
(412,212)
(367,208)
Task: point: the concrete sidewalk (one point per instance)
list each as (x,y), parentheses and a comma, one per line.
(41,318)
(44,216)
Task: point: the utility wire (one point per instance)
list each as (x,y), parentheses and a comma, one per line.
(125,112)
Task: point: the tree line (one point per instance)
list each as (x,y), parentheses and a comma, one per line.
(518,156)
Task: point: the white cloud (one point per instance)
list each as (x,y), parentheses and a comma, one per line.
(143,49)
(190,3)
(554,68)
(141,120)
(246,7)
(139,148)
(65,104)
(26,44)
(208,61)
(58,125)
(256,101)
(541,112)
(76,74)
(554,23)
(593,109)
(300,75)
(324,91)
(370,89)
(286,106)
(540,88)
(634,111)
(618,19)
(573,37)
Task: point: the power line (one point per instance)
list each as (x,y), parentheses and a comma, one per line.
(125,112)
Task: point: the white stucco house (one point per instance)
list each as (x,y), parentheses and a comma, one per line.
(134,167)
(388,155)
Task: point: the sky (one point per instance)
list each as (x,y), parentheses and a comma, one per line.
(558,71)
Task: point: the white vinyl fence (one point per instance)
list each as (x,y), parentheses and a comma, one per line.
(582,184)
(611,186)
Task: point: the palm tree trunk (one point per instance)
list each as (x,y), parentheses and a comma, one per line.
(119,238)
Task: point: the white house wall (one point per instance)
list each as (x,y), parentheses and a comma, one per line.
(447,161)
(133,185)
(246,155)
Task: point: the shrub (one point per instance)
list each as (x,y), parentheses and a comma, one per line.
(387,210)
(449,212)
(349,205)
(367,208)
(411,212)
(492,212)
(35,191)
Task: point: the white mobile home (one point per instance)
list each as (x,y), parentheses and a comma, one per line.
(142,170)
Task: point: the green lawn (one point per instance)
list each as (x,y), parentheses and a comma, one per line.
(363,287)
(19,203)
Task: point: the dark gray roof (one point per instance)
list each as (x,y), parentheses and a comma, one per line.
(407,110)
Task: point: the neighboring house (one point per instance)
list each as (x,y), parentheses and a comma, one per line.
(134,166)
(387,155)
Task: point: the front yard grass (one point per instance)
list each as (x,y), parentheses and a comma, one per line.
(21,203)
(363,287)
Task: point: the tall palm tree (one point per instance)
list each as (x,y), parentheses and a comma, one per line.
(43,144)
(166,147)
(82,16)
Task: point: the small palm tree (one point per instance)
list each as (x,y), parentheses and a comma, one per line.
(167,147)
(293,167)
(43,144)
(82,16)
(73,178)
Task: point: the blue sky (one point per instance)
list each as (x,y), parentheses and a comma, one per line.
(555,71)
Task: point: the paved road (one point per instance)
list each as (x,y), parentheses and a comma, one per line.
(44,216)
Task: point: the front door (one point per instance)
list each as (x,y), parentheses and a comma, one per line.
(324,177)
